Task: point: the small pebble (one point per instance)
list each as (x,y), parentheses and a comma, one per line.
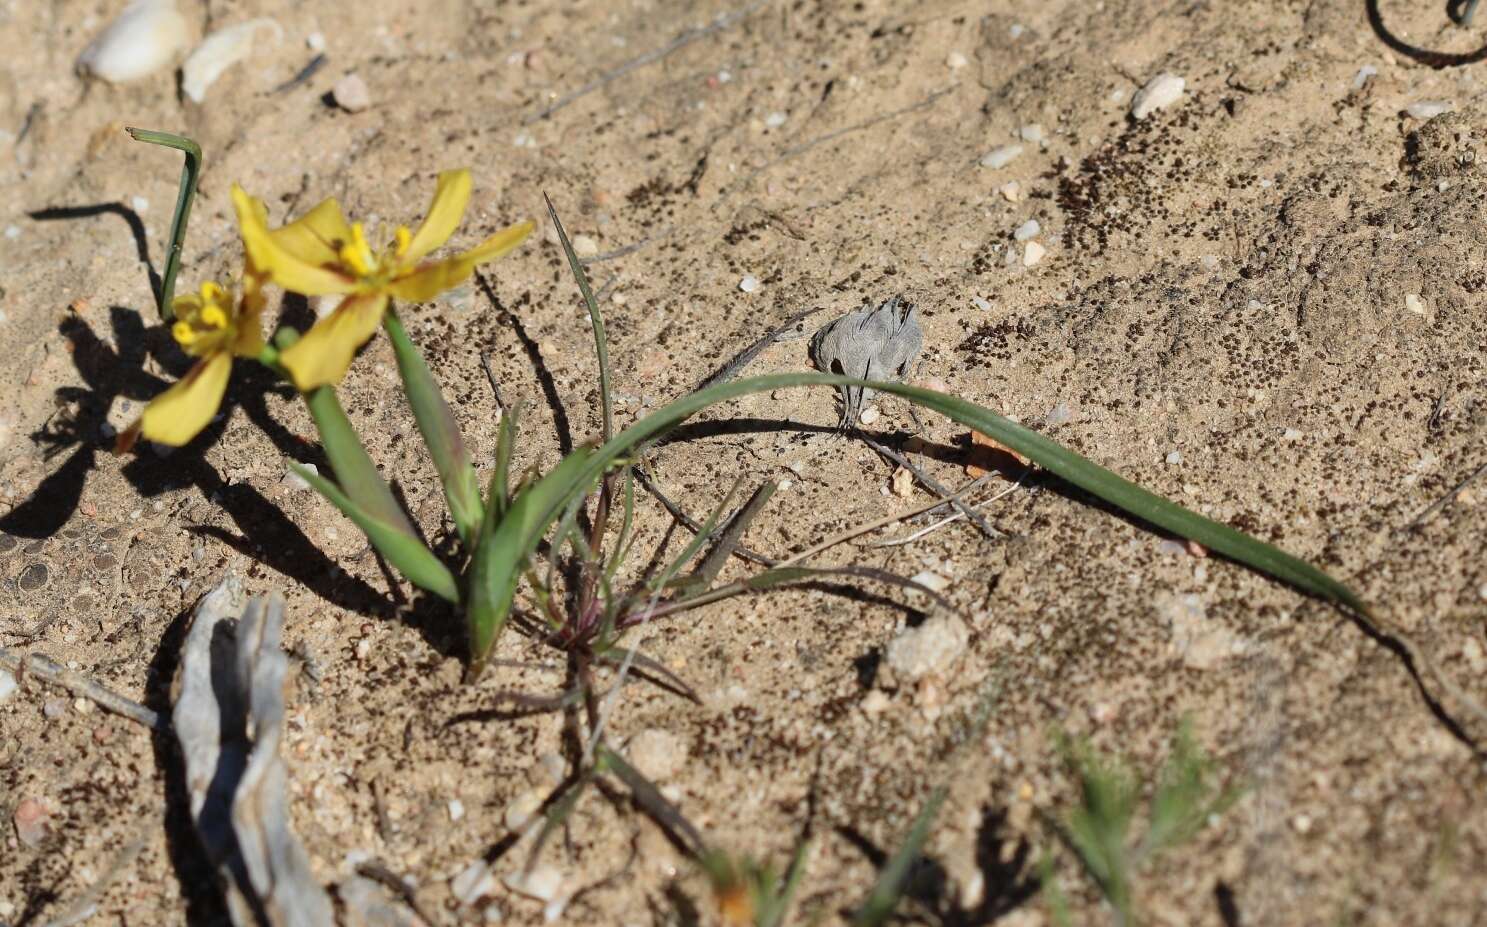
(775,120)
(1159,93)
(8,686)
(521,809)
(1033,132)
(1027,230)
(955,61)
(1032,253)
(1210,261)
(351,93)
(543,882)
(1302,824)
(1011,191)
(474,882)
(82,706)
(1001,157)
(296,482)
(315,41)
(54,708)
(549,770)
(749,283)
(932,581)
(1364,73)
(1059,414)
(1482,592)
(1442,185)
(1016,30)
(875,702)
(902,483)
(12,232)
(456,809)
(584,246)
(1428,109)
(869,415)
(932,647)
(140,204)
(656,754)
(33,822)
(1174,458)
(983,304)
(1414,303)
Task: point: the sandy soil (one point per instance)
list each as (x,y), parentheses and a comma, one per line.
(1265,301)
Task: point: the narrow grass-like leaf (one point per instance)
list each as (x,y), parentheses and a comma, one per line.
(1184,797)
(549,495)
(620,656)
(601,343)
(651,800)
(184,196)
(627,524)
(441,433)
(407,554)
(774,911)
(357,475)
(733,533)
(1098,828)
(699,540)
(498,495)
(889,888)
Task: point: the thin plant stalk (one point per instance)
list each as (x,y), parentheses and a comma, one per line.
(189,174)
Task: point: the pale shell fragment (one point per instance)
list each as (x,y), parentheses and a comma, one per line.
(1159,93)
(219,51)
(145,37)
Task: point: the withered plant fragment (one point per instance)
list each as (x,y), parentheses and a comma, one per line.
(870,344)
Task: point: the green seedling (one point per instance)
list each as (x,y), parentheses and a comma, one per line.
(1099,829)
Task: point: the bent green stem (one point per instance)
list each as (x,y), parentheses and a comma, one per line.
(189,174)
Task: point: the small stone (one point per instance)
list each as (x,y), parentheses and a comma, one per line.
(543,882)
(474,882)
(1016,30)
(1293,434)
(1210,261)
(296,482)
(902,483)
(1364,73)
(315,42)
(12,232)
(1174,458)
(82,706)
(549,770)
(521,809)
(1032,132)
(1302,824)
(870,415)
(1027,230)
(1428,109)
(1059,415)
(584,246)
(456,809)
(8,686)
(1001,157)
(33,822)
(875,703)
(749,283)
(1414,303)
(1482,592)
(931,581)
(1159,93)
(980,303)
(140,204)
(955,61)
(1202,643)
(54,708)
(1032,253)
(656,754)
(1011,191)
(775,120)
(930,648)
(351,93)
(33,577)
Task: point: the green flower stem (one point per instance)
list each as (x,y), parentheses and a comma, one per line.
(189,174)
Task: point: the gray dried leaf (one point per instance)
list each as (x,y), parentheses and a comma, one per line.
(870,344)
(229,718)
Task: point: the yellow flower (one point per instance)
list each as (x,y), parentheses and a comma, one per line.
(321,254)
(213,326)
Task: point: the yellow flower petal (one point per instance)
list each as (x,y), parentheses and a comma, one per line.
(322,356)
(451,196)
(318,235)
(181,412)
(434,278)
(289,270)
(249,340)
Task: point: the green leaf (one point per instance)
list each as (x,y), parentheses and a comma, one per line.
(184,196)
(895,873)
(354,470)
(595,318)
(407,555)
(547,498)
(441,433)
(498,495)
